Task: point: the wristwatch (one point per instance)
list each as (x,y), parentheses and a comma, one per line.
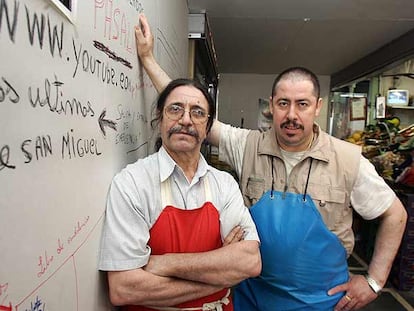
(373,284)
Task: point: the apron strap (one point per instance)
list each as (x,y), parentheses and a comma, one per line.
(209,306)
(273,179)
(307,180)
(207,190)
(166,196)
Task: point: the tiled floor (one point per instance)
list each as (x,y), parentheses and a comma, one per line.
(391,299)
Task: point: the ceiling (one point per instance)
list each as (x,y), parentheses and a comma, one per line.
(326,36)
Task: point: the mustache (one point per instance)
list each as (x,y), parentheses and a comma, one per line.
(183,129)
(292,123)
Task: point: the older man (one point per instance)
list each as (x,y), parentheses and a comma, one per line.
(168,214)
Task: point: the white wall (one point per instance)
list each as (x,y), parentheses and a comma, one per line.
(239,98)
(75,108)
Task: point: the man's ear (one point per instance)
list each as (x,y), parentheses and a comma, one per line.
(319,105)
(271,104)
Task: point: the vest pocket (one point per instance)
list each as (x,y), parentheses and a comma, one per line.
(330,202)
(255,188)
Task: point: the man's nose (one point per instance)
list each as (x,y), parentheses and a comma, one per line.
(186,117)
(292,112)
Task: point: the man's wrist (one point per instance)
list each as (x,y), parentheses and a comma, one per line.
(376,288)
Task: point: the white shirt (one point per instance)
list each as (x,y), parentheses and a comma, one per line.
(134,204)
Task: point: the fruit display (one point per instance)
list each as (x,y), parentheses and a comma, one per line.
(356,138)
(388,163)
(388,147)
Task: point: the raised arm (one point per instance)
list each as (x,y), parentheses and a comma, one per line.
(214,134)
(145,45)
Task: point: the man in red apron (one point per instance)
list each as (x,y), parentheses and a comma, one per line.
(169,213)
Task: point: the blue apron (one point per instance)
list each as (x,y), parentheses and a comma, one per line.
(301,258)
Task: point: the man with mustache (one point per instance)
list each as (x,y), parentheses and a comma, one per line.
(302,186)
(177,234)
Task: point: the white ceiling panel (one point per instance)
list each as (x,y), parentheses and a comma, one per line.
(267,36)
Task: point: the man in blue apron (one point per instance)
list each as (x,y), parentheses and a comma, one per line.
(302,186)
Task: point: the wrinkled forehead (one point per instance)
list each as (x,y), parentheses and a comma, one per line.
(187,95)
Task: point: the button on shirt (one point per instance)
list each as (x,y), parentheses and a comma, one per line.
(134,204)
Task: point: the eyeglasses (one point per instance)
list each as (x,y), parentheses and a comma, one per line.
(176,112)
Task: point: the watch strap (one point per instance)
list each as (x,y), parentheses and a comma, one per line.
(376,288)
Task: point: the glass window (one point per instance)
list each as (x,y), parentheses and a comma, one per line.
(67,4)
(67,7)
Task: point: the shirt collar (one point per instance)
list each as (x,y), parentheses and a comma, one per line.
(270,146)
(168,165)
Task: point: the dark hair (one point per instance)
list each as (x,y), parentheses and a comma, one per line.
(162,97)
(298,72)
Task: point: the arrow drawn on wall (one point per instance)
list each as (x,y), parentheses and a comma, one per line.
(105,122)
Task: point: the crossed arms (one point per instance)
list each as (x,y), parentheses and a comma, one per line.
(171,279)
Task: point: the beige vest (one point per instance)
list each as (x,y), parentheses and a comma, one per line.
(334,170)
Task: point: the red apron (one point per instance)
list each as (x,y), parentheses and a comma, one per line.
(186,231)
